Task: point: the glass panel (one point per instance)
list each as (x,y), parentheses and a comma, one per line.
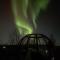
(31,41)
(24,41)
(41,41)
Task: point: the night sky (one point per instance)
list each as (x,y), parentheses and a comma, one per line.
(48,21)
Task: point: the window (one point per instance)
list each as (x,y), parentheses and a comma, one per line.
(41,41)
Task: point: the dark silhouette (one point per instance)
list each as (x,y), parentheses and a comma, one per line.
(37,46)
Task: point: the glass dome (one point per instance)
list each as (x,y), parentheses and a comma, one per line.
(37,43)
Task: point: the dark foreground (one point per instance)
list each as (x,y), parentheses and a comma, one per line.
(15,53)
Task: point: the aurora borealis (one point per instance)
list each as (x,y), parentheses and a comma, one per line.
(48,21)
(25,11)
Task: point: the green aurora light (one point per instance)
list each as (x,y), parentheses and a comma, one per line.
(25,10)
